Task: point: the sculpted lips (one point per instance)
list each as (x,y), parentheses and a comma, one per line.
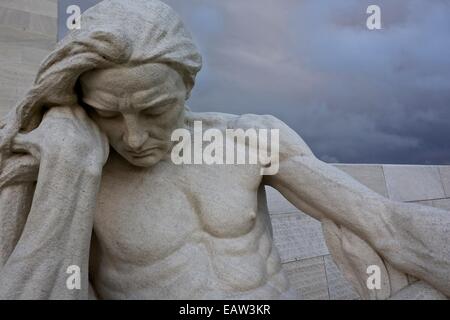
(144,153)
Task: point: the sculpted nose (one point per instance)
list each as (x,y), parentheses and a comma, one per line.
(135,136)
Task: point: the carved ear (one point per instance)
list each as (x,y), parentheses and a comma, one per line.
(353,256)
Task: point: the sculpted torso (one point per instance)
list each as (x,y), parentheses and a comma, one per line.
(185,231)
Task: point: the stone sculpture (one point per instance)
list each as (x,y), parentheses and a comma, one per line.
(139,226)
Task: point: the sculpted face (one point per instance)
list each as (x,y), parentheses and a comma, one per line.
(137,107)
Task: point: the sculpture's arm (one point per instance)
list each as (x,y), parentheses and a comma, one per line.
(414,238)
(56,235)
(17,178)
(58,229)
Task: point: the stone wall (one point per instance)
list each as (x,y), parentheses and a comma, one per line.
(27,35)
(299,238)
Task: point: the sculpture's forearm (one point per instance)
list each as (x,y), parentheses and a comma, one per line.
(56,235)
(324,191)
(414,238)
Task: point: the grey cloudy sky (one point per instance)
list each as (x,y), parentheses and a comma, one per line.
(354,95)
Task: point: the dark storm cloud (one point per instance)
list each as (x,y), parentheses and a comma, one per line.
(354,95)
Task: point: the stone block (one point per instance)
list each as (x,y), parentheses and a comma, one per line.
(43,25)
(445,177)
(42,7)
(26,39)
(16,19)
(277,203)
(428,203)
(339,288)
(442,204)
(298,237)
(371,176)
(413,183)
(308,278)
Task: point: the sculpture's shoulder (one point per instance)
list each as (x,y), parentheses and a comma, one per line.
(231,121)
(290,143)
(293,144)
(210,120)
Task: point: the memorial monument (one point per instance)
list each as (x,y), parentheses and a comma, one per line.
(139,225)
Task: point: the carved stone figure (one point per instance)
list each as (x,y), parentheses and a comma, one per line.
(140,226)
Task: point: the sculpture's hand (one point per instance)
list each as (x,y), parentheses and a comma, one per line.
(72,151)
(67,134)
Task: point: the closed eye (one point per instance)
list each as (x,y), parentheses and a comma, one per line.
(159,110)
(107,114)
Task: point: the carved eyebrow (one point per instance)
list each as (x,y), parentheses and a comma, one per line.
(97,105)
(102,112)
(160,103)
